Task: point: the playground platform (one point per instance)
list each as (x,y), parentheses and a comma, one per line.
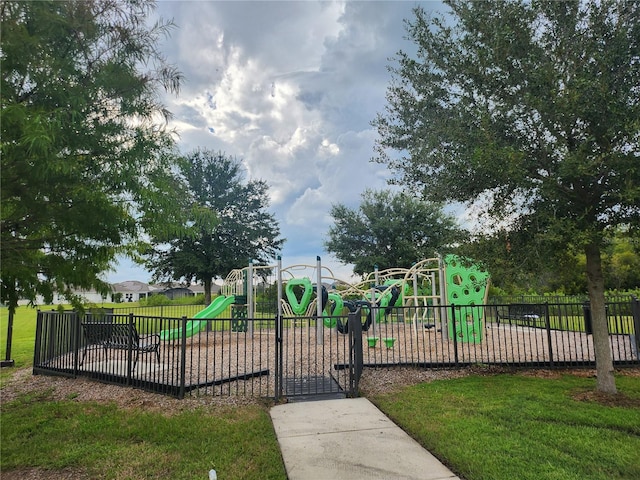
(349,438)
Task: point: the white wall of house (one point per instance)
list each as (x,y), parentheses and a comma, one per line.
(89,297)
(132,291)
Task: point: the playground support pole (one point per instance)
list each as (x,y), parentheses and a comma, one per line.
(415,301)
(436,303)
(319,322)
(443,291)
(373,311)
(279,280)
(250,303)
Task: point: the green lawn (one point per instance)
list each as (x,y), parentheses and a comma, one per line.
(24,331)
(522,427)
(104,441)
(497,427)
(87,438)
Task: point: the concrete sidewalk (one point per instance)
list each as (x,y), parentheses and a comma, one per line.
(349,439)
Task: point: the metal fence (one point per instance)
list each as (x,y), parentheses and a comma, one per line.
(301,356)
(178,356)
(542,299)
(174,311)
(546,335)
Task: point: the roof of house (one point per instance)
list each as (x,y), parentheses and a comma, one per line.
(133,286)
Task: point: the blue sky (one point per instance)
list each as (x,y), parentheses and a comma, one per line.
(290,88)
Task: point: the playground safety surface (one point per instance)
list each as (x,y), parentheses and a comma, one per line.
(349,438)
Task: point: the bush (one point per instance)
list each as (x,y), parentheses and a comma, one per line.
(189,300)
(156,300)
(159,300)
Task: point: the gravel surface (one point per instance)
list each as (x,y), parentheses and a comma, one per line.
(374,381)
(84,390)
(217,355)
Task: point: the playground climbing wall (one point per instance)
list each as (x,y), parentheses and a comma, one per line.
(467,286)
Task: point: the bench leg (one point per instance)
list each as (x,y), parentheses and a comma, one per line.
(84,354)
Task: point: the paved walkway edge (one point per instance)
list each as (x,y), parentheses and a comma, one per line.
(349,439)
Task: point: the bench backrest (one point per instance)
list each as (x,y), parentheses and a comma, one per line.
(110,333)
(521,309)
(96,332)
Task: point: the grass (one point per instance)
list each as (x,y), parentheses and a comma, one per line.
(484,427)
(620,324)
(515,426)
(105,441)
(24,331)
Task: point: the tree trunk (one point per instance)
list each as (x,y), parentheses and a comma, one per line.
(606,381)
(207,291)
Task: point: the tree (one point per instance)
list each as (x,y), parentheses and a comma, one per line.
(517,267)
(530,112)
(622,263)
(389,230)
(83,143)
(226,223)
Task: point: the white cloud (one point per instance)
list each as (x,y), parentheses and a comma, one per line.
(290,88)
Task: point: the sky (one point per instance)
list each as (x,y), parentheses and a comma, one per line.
(290,88)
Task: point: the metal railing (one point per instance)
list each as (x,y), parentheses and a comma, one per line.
(171,311)
(536,335)
(297,356)
(204,356)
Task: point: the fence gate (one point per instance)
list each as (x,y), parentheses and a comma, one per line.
(317,361)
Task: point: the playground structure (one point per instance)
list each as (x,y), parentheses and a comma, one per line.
(289,331)
(408,295)
(217,307)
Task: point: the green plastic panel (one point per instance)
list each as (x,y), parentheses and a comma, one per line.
(466,287)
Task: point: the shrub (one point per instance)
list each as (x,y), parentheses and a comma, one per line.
(155,300)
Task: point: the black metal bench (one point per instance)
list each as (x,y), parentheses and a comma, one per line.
(119,336)
(521,314)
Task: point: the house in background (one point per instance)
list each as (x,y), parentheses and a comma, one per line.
(178,290)
(173,293)
(90,296)
(132,291)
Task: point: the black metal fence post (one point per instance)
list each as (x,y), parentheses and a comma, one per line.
(76,344)
(454,333)
(356,360)
(635,311)
(279,372)
(547,322)
(130,350)
(37,351)
(183,357)
(586,308)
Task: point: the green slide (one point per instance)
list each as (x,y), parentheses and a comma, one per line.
(218,306)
